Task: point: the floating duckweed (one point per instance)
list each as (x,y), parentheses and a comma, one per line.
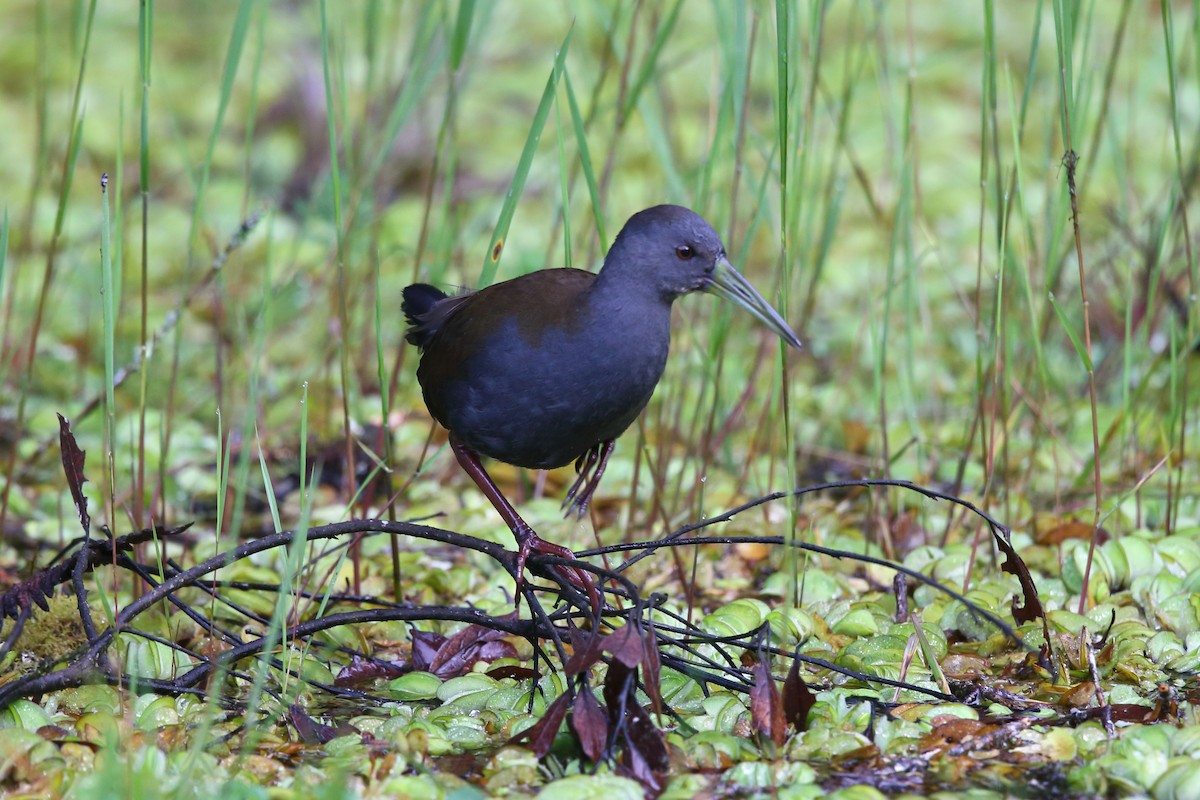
(737,618)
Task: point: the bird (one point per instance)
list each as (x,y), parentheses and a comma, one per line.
(553,366)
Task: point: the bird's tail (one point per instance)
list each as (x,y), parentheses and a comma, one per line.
(418,300)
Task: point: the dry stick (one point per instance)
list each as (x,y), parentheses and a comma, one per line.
(701,430)
(1071,159)
(640,443)
(999,405)
(1173,518)
(384,441)
(673,539)
(711,442)
(91,661)
(139,489)
(980,414)
(649,548)
(738,412)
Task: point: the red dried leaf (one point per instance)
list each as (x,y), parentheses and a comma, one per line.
(459,653)
(766,707)
(312,732)
(494,651)
(635,767)
(540,735)
(586,656)
(461,662)
(643,750)
(645,737)
(590,724)
(361,670)
(652,671)
(425,648)
(453,647)
(625,645)
(644,756)
(1013,565)
(798,699)
(515,671)
(619,682)
(950,731)
(72,461)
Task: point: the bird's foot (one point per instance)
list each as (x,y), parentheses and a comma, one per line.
(590,467)
(529,542)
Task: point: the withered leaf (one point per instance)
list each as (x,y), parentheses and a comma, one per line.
(586,655)
(644,754)
(766,706)
(652,671)
(425,648)
(798,699)
(619,684)
(515,671)
(360,670)
(590,724)
(540,735)
(1124,712)
(1013,565)
(949,730)
(313,732)
(459,653)
(645,737)
(72,461)
(625,645)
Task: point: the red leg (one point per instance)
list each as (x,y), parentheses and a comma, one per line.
(527,541)
(590,467)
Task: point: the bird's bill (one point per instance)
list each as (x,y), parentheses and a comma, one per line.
(727,282)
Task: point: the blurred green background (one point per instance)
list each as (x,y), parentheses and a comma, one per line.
(890,175)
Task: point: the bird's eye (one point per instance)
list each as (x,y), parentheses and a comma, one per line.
(684,252)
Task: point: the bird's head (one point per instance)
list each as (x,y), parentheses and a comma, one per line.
(670,251)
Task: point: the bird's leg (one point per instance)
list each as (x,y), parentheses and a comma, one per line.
(583,468)
(527,540)
(590,467)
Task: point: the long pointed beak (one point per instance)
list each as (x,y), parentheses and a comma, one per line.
(727,282)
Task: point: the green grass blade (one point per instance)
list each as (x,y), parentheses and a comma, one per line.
(491,261)
(650,66)
(233,56)
(462,33)
(585,158)
(1066,323)
(783,56)
(419,77)
(564,186)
